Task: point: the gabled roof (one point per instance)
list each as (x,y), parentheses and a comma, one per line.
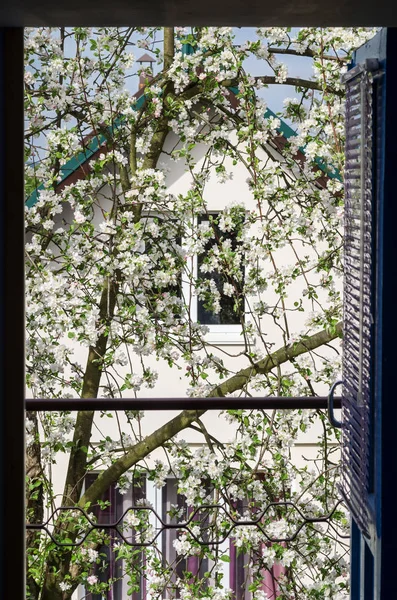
(78,164)
(77,167)
(145,58)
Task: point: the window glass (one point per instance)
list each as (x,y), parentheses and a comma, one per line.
(111,508)
(220,248)
(175,509)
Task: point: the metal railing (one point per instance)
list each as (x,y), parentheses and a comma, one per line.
(216,403)
(157,404)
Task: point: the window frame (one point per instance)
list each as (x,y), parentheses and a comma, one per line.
(220,335)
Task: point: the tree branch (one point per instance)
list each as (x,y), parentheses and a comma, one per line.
(307,52)
(242,378)
(183,420)
(298,82)
(34,496)
(295,81)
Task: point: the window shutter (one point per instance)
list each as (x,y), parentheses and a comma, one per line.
(357,396)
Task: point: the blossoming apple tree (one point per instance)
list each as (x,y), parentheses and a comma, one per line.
(109,260)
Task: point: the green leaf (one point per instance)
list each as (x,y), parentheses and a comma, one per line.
(225,558)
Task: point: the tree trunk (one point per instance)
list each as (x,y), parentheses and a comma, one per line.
(34,497)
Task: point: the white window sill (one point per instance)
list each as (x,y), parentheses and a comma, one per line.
(226,338)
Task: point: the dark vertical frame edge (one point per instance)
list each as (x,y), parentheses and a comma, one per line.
(388,325)
(12,534)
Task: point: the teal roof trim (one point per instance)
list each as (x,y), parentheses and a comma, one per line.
(187,49)
(77,161)
(288,132)
(71,166)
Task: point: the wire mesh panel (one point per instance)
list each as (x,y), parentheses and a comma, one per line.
(196,526)
(358,302)
(196,519)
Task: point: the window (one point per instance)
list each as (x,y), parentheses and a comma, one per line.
(172,501)
(220,303)
(164,247)
(231,311)
(109,567)
(240,575)
(237,574)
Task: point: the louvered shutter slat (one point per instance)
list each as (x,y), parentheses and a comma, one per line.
(356,400)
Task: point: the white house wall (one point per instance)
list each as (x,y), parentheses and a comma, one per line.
(171,382)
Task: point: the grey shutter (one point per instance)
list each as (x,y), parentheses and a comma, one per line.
(357,403)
